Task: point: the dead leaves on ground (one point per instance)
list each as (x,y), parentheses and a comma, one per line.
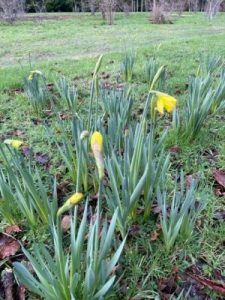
(9,290)
(194,282)
(8,246)
(219,177)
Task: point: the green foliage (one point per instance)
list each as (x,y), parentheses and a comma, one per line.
(136,173)
(197,107)
(117,109)
(155,74)
(68,93)
(210,64)
(127,179)
(85,272)
(137,166)
(127,67)
(75,153)
(23,189)
(36,90)
(178,217)
(206,95)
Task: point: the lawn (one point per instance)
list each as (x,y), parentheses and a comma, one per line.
(70,45)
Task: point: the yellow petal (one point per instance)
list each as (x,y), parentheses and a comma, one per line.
(14,143)
(160,105)
(30,77)
(75,198)
(169,103)
(165,101)
(36,72)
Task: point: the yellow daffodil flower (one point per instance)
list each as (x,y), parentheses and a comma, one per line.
(70,202)
(164,102)
(97,149)
(32,73)
(14,143)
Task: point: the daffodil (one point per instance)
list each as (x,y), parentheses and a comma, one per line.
(164,102)
(97,149)
(14,143)
(75,198)
(70,202)
(32,73)
(84,134)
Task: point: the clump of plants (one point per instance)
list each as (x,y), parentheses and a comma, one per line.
(159,15)
(35,86)
(118,162)
(127,67)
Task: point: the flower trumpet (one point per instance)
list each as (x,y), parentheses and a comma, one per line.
(164,102)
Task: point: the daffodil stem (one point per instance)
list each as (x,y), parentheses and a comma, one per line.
(79,147)
(99,208)
(91,104)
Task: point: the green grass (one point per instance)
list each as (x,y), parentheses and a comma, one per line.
(70,46)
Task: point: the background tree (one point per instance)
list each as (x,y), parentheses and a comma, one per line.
(10,9)
(213,7)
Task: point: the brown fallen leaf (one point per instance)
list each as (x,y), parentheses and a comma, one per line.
(8,281)
(220,215)
(65,223)
(154,235)
(8,246)
(219,176)
(189,179)
(12,228)
(19,132)
(134,230)
(21,292)
(219,192)
(167,287)
(63,116)
(216,286)
(174,149)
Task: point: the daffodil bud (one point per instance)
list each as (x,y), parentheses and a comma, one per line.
(84,134)
(97,149)
(73,200)
(14,143)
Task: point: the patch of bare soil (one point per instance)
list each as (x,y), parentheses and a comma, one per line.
(43,17)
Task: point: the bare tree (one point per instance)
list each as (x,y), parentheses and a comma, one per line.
(161,10)
(178,6)
(213,7)
(93,5)
(107,8)
(10,9)
(193,5)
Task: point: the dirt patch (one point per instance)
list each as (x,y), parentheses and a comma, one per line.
(43,17)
